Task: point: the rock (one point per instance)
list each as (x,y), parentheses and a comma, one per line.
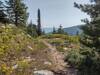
(28,58)
(3,26)
(15,66)
(43,72)
(47,63)
(35,69)
(29,36)
(65,48)
(30,47)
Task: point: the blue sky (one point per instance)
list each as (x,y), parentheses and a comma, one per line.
(56,12)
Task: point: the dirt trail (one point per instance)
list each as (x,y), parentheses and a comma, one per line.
(58,60)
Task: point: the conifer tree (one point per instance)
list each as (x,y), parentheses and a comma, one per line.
(39,30)
(77,32)
(60,30)
(17,12)
(90,39)
(91,30)
(54,30)
(32,30)
(3,16)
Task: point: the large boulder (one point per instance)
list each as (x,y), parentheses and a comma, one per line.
(43,72)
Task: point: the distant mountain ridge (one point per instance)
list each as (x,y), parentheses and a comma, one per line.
(70,30)
(74,30)
(48,30)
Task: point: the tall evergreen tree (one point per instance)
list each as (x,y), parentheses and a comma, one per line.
(91,30)
(17,12)
(39,30)
(91,39)
(54,30)
(3,16)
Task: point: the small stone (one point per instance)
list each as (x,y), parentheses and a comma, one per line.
(15,66)
(65,48)
(47,63)
(30,47)
(43,72)
(35,69)
(28,58)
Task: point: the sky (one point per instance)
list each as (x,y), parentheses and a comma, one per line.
(56,12)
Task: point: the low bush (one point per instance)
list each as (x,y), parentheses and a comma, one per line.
(74,57)
(86,60)
(71,39)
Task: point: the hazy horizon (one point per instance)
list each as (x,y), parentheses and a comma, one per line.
(56,12)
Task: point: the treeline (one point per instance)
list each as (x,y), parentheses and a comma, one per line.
(15,12)
(60,30)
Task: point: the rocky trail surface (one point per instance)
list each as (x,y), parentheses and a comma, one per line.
(61,67)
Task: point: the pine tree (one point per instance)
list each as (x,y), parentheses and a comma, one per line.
(32,30)
(3,16)
(77,33)
(91,30)
(90,39)
(60,30)
(39,30)
(17,12)
(54,30)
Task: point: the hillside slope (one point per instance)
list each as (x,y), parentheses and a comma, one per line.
(20,54)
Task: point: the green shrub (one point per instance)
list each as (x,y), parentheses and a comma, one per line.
(86,60)
(74,57)
(60,49)
(56,42)
(71,39)
(5,70)
(23,64)
(50,36)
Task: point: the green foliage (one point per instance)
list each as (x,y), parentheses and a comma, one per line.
(90,65)
(86,60)
(92,28)
(23,64)
(62,42)
(60,48)
(60,30)
(74,58)
(15,46)
(71,39)
(32,30)
(91,39)
(3,16)
(74,39)
(5,70)
(56,42)
(17,12)
(50,36)
(54,31)
(39,45)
